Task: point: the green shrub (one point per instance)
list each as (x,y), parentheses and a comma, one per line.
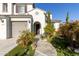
(60,42)
(61,47)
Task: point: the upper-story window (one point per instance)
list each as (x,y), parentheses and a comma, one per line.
(21,8)
(5,7)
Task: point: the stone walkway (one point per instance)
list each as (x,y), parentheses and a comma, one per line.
(44,48)
(7,45)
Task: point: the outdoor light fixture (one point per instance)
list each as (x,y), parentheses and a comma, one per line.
(2,20)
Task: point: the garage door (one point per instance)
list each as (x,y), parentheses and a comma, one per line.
(18,27)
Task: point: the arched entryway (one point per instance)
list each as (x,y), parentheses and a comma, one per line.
(37,27)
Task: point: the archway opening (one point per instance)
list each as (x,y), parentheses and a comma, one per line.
(37,28)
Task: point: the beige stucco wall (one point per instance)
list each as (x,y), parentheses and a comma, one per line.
(10,7)
(3,29)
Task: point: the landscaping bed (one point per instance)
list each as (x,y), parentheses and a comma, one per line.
(61,47)
(26,45)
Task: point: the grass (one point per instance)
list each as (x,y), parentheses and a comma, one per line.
(19,51)
(61,47)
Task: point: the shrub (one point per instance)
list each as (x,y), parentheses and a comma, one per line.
(60,42)
(70,31)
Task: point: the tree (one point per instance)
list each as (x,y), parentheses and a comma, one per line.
(67,18)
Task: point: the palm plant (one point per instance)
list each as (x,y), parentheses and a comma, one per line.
(26,38)
(47,15)
(49,29)
(49,32)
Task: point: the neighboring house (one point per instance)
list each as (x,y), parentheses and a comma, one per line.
(16,17)
(56,24)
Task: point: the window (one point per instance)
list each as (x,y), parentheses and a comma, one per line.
(20,8)
(5,7)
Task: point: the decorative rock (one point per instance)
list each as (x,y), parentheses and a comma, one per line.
(76,50)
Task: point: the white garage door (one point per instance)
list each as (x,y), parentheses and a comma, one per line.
(18,27)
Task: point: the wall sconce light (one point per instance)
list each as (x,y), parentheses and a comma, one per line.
(2,20)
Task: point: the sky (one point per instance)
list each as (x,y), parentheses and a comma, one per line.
(59,10)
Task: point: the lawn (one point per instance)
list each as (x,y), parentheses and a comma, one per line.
(61,47)
(19,51)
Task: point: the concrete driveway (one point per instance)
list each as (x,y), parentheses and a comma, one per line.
(7,45)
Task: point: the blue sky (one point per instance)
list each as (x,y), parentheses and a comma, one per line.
(59,10)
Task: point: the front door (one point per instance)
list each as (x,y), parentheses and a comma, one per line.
(37,28)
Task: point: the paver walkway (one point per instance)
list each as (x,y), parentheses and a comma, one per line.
(7,45)
(44,48)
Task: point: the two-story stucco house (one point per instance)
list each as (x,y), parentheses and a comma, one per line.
(16,17)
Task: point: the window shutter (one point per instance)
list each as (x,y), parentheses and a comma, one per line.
(25,8)
(16,8)
(5,7)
